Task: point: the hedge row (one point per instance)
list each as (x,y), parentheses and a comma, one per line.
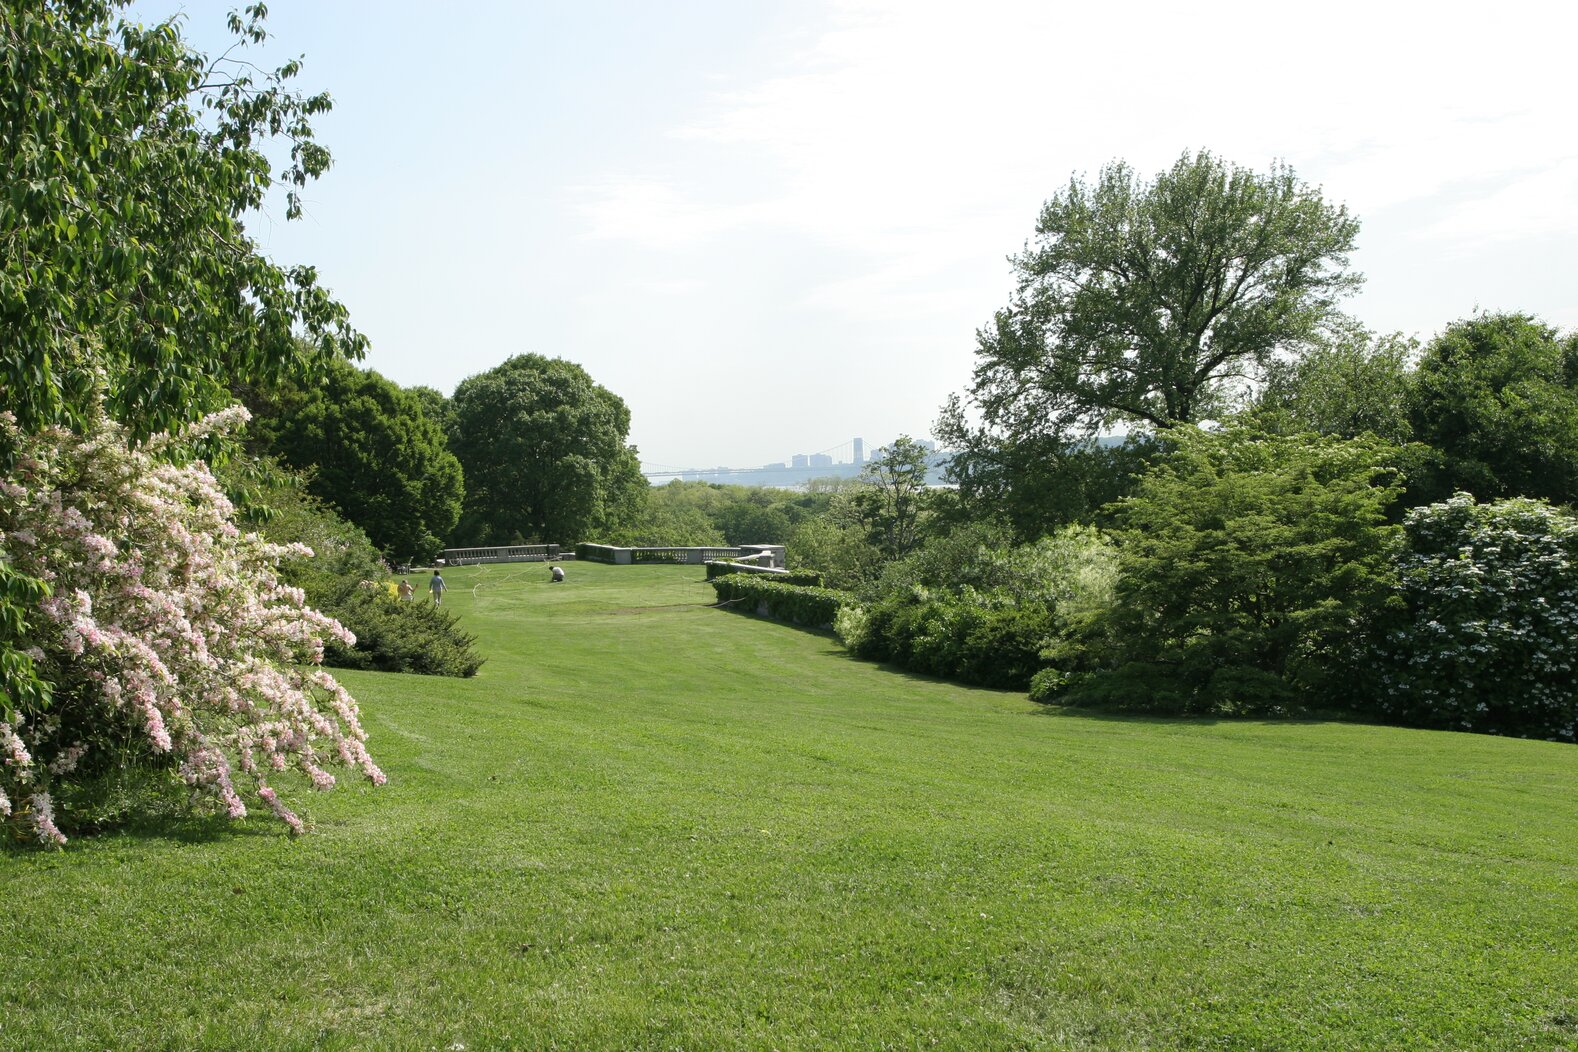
(805,578)
(957,638)
(769,597)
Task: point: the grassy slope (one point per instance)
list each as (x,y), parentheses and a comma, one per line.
(648,824)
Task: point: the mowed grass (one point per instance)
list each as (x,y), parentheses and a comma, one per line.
(650,824)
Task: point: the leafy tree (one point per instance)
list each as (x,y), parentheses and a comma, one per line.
(710,513)
(1037,484)
(128,162)
(543,450)
(670,515)
(1251,565)
(754,523)
(435,406)
(1146,304)
(374,454)
(836,544)
(1497,396)
(894,496)
(127,278)
(1352,385)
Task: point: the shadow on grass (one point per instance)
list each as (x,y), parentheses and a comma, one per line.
(1045,710)
(185,829)
(822,632)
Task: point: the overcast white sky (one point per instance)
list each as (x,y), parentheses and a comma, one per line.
(695,199)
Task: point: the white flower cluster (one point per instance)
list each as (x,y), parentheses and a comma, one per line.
(1491,641)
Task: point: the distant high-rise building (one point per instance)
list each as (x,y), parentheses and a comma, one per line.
(860,452)
(800,461)
(821,460)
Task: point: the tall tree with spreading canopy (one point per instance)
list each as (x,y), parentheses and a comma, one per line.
(894,497)
(544,453)
(374,455)
(1145,304)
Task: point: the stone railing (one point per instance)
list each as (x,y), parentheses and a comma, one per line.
(717,568)
(513,553)
(608,553)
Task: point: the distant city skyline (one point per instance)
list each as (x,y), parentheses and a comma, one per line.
(803,466)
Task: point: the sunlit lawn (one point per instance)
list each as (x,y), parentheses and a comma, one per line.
(648,824)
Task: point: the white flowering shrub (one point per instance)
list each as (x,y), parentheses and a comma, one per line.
(1489,641)
(167,638)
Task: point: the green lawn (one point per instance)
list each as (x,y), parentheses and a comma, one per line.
(647,824)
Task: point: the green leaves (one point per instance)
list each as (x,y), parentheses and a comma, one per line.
(1498,396)
(1248,559)
(1148,302)
(123,252)
(374,454)
(543,449)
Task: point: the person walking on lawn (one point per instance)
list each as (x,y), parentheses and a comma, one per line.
(438,588)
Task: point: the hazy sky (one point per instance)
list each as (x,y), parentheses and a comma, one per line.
(814,201)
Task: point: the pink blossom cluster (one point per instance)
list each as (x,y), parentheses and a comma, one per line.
(166,623)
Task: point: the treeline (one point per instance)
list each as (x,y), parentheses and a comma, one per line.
(1304,518)
(530,451)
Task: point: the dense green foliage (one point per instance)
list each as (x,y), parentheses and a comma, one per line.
(1036,483)
(1251,566)
(971,608)
(965,636)
(733,836)
(705,514)
(346,579)
(127,277)
(391,635)
(837,545)
(1489,637)
(1141,305)
(373,454)
(1353,385)
(1150,302)
(544,454)
(722,568)
(128,162)
(1497,396)
(797,604)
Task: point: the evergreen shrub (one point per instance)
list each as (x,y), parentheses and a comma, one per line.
(1253,568)
(394,636)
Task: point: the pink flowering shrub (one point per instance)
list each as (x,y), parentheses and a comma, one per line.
(168,638)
